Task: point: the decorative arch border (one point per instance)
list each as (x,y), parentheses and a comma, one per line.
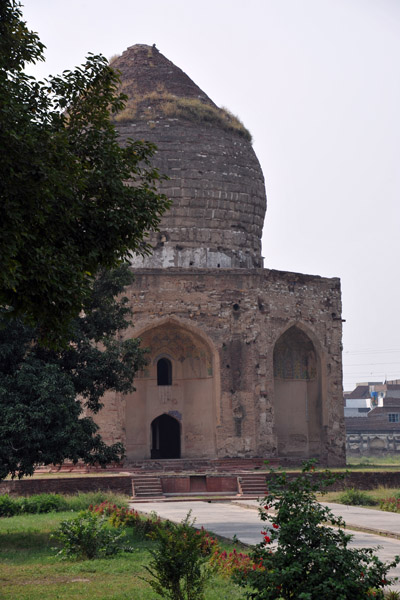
(162,355)
(139,331)
(205,338)
(306,329)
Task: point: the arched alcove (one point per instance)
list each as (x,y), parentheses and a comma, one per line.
(178,381)
(165,437)
(297,395)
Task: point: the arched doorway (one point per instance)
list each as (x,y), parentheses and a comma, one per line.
(165,437)
(297,395)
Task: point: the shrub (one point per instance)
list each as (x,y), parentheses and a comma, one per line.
(42,503)
(234,563)
(8,506)
(308,559)
(356,498)
(89,536)
(125,517)
(177,567)
(391,504)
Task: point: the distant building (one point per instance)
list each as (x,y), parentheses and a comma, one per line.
(372,417)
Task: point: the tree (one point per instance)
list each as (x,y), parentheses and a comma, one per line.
(66,209)
(302,556)
(45,393)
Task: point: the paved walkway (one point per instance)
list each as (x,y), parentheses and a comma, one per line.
(356,517)
(240,519)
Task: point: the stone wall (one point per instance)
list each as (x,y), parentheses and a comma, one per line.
(370,443)
(218,196)
(123,484)
(214,180)
(240,315)
(67,485)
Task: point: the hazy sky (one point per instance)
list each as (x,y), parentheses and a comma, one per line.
(317,82)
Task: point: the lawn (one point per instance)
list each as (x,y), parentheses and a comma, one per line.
(31,570)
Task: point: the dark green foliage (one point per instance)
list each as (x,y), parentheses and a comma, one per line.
(65,208)
(89,536)
(8,506)
(45,503)
(356,498)
(44,392)
(178,563)
(311,560)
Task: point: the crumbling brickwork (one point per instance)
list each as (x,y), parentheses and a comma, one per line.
(255,354)
(243,313)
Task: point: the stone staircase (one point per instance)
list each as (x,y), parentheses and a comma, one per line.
(252,484)
(146,486)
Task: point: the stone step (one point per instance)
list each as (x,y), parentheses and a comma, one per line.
(145,486)
(253,485)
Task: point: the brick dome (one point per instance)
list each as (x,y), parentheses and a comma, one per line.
(215,179)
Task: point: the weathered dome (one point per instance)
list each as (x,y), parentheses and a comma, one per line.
(215,179)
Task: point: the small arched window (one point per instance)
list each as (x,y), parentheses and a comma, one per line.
(164,372)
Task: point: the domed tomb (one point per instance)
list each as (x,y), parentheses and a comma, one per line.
(215,180)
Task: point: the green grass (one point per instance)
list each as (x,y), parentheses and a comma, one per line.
(376,495)
(30,569)
(373,462)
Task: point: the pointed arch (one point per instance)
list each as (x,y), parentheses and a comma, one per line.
(165,437)
(182,377)
(298,397)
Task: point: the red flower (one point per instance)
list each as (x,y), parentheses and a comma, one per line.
(267,539)
(275,526)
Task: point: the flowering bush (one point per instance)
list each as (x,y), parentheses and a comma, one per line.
(391,504)
(125,517)
(234,563)
(105,508)
(302,557)
(208,544)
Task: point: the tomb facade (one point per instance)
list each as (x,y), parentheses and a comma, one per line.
(244,361)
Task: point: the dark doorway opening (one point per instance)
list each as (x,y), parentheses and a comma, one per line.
(166,437)
(164,372)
